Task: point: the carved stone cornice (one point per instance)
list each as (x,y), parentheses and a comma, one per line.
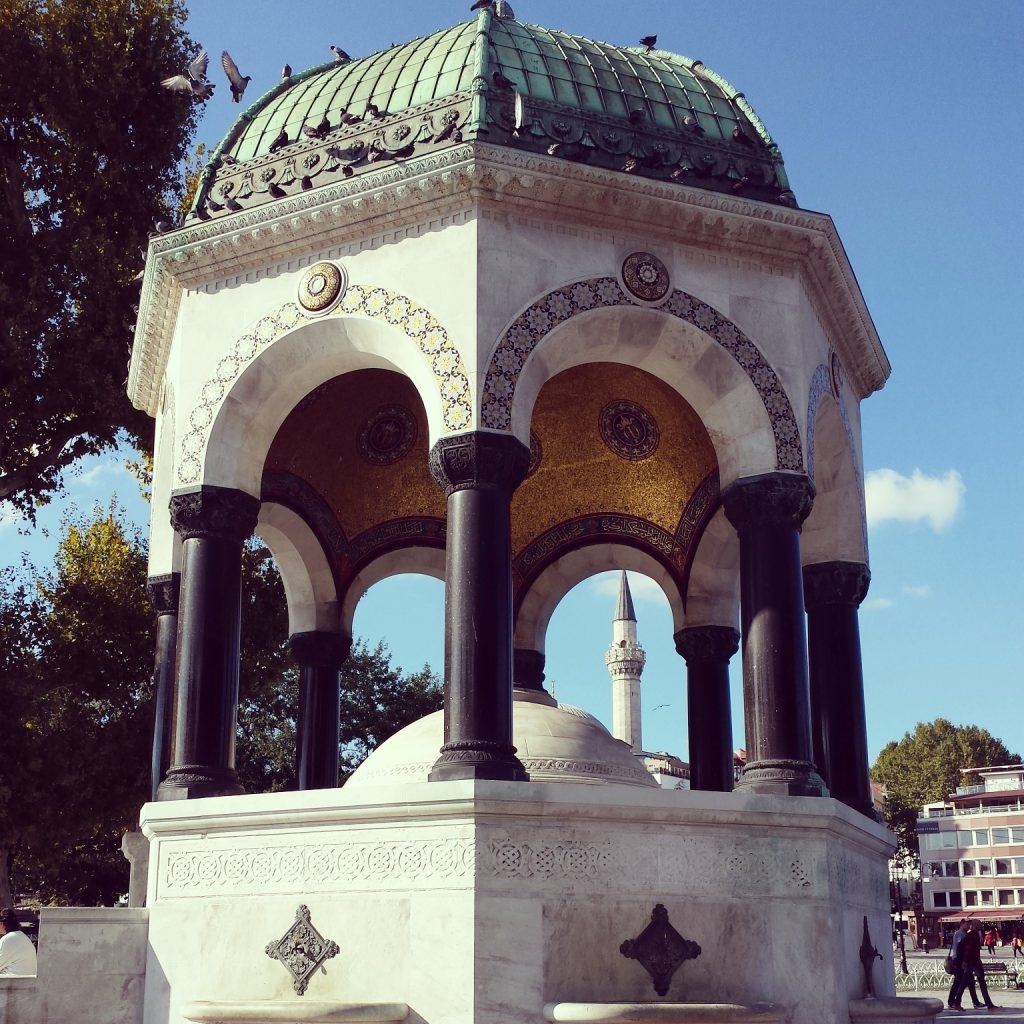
(479,460)
(835,583)
(471,176)
(163,592)
(320,649)
(769,499)
(707,643)
(222,513)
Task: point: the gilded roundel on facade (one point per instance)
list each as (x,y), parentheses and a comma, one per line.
(629,429)
(387,435)
(836,373)
(322,286)
(645,276)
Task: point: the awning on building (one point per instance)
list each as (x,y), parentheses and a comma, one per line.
(993,914)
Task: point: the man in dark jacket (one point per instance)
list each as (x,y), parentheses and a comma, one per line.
(967,958)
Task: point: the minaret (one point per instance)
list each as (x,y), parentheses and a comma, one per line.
(625,660)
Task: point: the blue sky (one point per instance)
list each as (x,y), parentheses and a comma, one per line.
(901,121)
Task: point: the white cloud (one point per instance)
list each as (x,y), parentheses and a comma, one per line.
(9,516)
(643,588)
(936,500)
(918,591)
(102,474)
(875,603)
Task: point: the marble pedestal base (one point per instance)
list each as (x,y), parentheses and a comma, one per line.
(482,902)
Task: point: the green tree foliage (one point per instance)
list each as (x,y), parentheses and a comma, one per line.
(76,659)
(925,766)
(90,150)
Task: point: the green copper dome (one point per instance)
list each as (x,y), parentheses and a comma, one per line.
(494,79)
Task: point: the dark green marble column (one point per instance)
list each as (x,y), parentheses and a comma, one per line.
(319,656)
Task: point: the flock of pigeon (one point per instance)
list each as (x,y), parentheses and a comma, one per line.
(195,83)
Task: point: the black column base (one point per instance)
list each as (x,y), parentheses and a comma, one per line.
(782,777)
(478,761)
(191,782)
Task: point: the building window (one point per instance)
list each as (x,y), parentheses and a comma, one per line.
(981,837)
(967,868)
(964,838)
(948,840)
(1006,898)
(986,897)
(1000,836)
(1017,835)
(954,899)
(1003,866)
(1018,865)
(940,899)
(953,869)
(984,867)
(971,898)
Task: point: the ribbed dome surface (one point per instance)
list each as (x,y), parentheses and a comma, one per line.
(544,64)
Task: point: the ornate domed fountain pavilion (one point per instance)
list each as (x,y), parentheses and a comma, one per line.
(510,307)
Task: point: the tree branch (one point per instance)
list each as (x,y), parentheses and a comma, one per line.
(53,457)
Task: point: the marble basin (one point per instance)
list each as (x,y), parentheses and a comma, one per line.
(666,1013)
(277,1011)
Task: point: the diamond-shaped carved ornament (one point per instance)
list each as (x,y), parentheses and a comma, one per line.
(302,949)
(660,949)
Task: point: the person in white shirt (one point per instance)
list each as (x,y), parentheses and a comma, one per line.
(17,954)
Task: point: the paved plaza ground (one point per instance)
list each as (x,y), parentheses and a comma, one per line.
(1009,1001)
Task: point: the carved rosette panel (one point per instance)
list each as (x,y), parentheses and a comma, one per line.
(387,436)
(222,513)
(479,461)
(660,950)
(770,499)
(530,328)
(417,323)
(629,430)
(302,950)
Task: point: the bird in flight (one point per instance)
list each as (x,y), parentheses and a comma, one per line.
(235,77)
(194,80)
(650,42)
(660,706)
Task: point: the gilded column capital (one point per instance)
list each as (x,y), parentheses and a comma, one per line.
(224,513)
(835,583)
(479,460)
(527,668)
(707,643)
(769,499)
(163,592)
(320,649)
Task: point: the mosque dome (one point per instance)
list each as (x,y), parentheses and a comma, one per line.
(496,80)
(554,743)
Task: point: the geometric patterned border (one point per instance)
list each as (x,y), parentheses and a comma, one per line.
(535,323)
(416,322)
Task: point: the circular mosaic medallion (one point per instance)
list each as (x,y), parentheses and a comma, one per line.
(645,276)
(321,287)
(629,429)
(536,454)
(836,368)
(387,435)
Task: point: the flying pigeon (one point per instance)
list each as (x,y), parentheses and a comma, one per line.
(280,141)
(237,80)
(481,3)
(650,42)
(286,72)
(340,55)
(501,81)
(194,80)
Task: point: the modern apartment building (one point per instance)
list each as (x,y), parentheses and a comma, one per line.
(972,853)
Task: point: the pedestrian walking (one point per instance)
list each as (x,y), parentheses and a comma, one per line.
(1018,945)
(972,969)
(991,937)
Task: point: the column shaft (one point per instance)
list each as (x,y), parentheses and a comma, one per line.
(478,473)
(833,592)
(707,650)
(767,512)
(213,523)
(163,595)
(319,656)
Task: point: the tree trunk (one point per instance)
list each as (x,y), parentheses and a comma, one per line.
(6,896)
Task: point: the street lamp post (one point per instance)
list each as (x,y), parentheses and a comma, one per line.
(899,913)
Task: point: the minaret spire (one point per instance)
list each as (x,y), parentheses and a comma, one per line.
(625,660)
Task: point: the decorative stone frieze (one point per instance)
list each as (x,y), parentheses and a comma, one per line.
(163,592)
(320,649)
(479,461)
(707,643)
(222,513)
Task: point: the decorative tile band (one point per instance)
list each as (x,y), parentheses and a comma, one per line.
(416,322)
(530,328)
